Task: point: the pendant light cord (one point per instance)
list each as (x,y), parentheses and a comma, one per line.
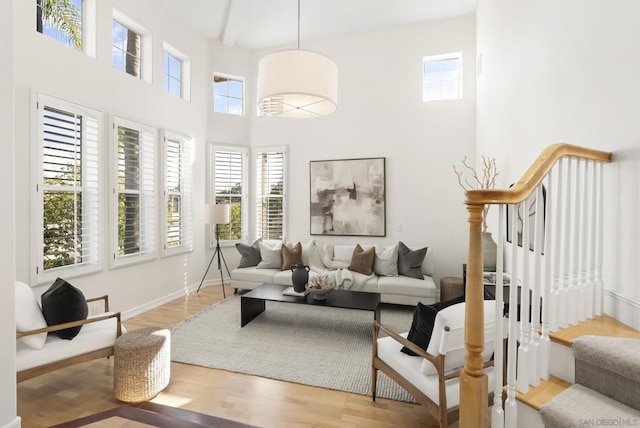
(298,24)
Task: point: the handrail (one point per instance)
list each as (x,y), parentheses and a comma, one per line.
(473,379)
(534,175)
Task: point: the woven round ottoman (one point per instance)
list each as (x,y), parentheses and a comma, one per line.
(142,364)
(450,287)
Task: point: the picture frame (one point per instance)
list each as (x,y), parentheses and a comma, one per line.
(532,220)
(347,197)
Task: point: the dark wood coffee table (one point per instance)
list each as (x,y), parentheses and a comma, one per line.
(252,303)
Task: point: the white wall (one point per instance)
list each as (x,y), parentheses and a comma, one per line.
(381,114)
(42,64)
(7,217)
(567,72)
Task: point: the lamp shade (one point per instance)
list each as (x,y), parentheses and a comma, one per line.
(297,83)
(218,214)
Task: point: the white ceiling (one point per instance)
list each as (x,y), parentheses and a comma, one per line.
(258,24)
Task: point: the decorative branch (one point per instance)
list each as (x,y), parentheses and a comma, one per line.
(469,179)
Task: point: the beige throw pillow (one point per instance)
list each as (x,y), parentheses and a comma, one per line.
(291,256)
(362,260)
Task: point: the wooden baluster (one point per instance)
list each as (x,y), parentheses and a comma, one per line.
(554,300)
(574,272)
(497,417)
(473,380)
(565,277)
(510,405)
(524,364)
(544,355)
(536,286)
(583,282)
(591,244)
(599,284)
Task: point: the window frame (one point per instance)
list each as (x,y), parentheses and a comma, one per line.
(425,81)
(57,36)
(185,71)
(228,77)
(148,198)
(244,196)
(95,263)
(186,193)
(146,48)
(257,151)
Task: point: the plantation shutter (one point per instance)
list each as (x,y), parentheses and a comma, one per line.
(270,192)
(134,192)
(178,194)
(68,190)
(228,170)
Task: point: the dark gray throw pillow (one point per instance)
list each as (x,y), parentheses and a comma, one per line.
(410,262)
(62,303)
(424,318)
(250,254)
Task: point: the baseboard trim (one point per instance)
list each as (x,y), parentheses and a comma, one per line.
(16,423)
(623,308)
(168,298)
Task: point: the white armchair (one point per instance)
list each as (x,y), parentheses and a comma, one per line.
(433,376)
(38,352)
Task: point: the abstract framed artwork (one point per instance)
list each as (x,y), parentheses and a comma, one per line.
(348,197)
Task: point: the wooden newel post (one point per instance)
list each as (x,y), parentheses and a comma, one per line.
(473,380)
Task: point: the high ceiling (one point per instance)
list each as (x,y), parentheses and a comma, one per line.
(258,24)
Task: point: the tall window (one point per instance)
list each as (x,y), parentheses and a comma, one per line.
(229,175)
(178,224)
(271,193)
(442,77)
(228,95)
(134,193)
(61,20)
(172,74)
(126,49)
(68,204)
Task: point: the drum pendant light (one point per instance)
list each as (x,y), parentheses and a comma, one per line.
(297,83)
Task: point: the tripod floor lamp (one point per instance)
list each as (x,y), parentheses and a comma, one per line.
(217,214)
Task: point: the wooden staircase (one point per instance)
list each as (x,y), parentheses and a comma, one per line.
(531,402)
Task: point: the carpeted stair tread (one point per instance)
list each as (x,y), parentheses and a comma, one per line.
(578,406)
(614,354)
(603,325)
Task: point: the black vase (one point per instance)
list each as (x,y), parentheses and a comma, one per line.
(299,277)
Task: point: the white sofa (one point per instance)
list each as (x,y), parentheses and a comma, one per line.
(398,289)
(38,352)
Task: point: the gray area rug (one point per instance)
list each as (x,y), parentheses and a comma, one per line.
(318,346)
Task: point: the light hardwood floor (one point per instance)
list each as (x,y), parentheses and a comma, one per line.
(87,388)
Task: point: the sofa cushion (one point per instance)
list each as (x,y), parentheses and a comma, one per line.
(362,260)
(253,274)
(62,303)
(424,317)
(29,316)
(271,256)
(410,261)
(453,317)
(343,253)
(250,254)
(291,256)
(385,262)
(407,286)
(92,337)
(410,368)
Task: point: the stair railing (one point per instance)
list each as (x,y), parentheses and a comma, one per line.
(552,220)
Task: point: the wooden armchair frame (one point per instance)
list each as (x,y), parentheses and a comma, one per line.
(98,353)
(438,410)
